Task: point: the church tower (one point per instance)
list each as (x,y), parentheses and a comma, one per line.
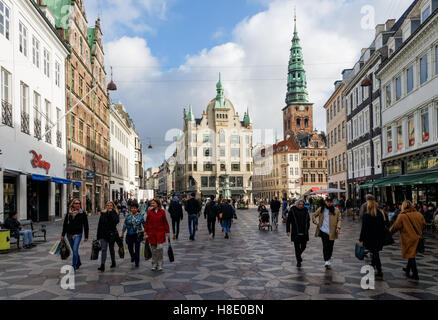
(298,113)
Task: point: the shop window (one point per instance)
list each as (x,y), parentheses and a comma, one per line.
(399,136)
(425,125)
(411,131)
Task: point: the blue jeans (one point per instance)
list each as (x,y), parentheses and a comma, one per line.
(27,237)
(133,247)
(74,245)
(226,223)
(193,220)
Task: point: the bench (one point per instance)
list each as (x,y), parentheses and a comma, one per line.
(36,232)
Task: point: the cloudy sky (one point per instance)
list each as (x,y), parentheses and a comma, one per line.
(166,55)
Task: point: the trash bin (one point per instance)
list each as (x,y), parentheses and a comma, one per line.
(5,240)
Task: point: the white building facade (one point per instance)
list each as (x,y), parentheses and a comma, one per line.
(32,125)
(409,80)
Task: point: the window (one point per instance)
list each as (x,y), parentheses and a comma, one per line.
(195,152)
(305,164)
(343,161)
(425,14)
(297,171)
(4,20)
(398,88)
(423,69)
(312,164)
(336,136)
(425,125)
(328,116)
(35,52)
(334,109)
(336,164)
(222,138)
(222,151)
(312,178)
(399,135)
(339,103)
(235,152)
(204,182)
(22,38)
(389,139)
(283,158)
(339,133)
(235,139)
(223,167)
(436,60)
(235,167)
(331,112)
(320,178)
(46,63)
(296,157)
(319,164)
(388,95)
(306,177)
(247,140)
(81,131)
(410,79)
(343,129)
(248,167)
(208,167)
(24,101)
(411,131)
(207,152)
(57,74)
(206,138)
(362,158)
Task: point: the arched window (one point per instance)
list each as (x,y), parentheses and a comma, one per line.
(306,123)
(298,123)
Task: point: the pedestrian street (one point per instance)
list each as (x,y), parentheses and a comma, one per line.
(252,264)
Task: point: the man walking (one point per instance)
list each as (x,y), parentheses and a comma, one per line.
(275,209)
(211,214)
(226,214)
(176,213)
(193,207)
(297,227)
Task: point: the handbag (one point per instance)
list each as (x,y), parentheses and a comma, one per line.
(387,238)
(64,250)
(95,249)
(170,253)
(147,250)
(359,251)
(421,241)
(140,235)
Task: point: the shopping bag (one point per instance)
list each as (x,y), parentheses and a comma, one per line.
(147,250)
(359,251)
(121,252)
(95,249)
(387,239)
(170,253)
(64,250)
(56,248)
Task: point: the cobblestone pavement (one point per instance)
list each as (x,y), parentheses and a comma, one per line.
(252,264)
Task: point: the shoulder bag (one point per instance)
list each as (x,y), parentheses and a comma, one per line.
(421,242)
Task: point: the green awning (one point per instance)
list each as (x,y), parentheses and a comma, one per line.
(430,178)
(376,183)
(407,180)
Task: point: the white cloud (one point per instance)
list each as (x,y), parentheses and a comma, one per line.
(253,66)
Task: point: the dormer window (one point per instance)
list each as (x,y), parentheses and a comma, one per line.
(425,14)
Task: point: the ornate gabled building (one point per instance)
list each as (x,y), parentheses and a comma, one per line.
(298,123)
(216,144)
(88,132)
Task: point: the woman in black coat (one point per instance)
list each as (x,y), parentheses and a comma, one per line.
(372,234)
(297,227)
(107,233)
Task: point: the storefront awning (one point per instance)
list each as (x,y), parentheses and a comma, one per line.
(60,180)
(77,183)
(377,183)
(431,178)
(406,180)
(38,177)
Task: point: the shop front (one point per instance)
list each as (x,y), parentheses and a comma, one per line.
(413,178)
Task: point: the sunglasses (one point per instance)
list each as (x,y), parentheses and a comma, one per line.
(77,203)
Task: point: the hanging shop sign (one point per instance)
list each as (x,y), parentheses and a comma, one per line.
(89,175)
(393,169)
(37,161)
(422,164)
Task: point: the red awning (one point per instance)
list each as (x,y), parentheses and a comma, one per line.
(315,189)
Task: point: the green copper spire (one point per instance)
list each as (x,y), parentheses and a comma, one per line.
(247,119)
(190,116)
(220,98)
(297,83)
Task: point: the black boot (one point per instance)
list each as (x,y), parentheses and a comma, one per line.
(113,265)
(102,268)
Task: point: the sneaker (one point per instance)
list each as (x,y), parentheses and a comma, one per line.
(113,265)
(153,268)
(132,259)
(160,268)
(379,275)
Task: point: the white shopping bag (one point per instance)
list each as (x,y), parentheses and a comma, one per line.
(55,248)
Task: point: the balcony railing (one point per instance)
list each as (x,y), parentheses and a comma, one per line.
(7,113)
(48,134)
(37,129)
(25,122)
(59,139)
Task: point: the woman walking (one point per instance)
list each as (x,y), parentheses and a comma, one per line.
(107,233)
(410,223)
(328,228)
(133,225)
(75,225)
(157,230)
(297,227)
(176,213)
(372,234)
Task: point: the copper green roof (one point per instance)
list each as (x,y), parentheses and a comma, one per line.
(60,9)
(297,81)
(247,119)
(221,102)
(190,116)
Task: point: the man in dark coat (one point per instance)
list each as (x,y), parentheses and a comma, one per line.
(297,227)
(211,214)
(227,216)
(176,213)
(193,207)
(275,209)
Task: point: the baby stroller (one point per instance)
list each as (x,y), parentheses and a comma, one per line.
(264,221)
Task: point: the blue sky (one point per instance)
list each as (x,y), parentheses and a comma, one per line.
(167,55)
